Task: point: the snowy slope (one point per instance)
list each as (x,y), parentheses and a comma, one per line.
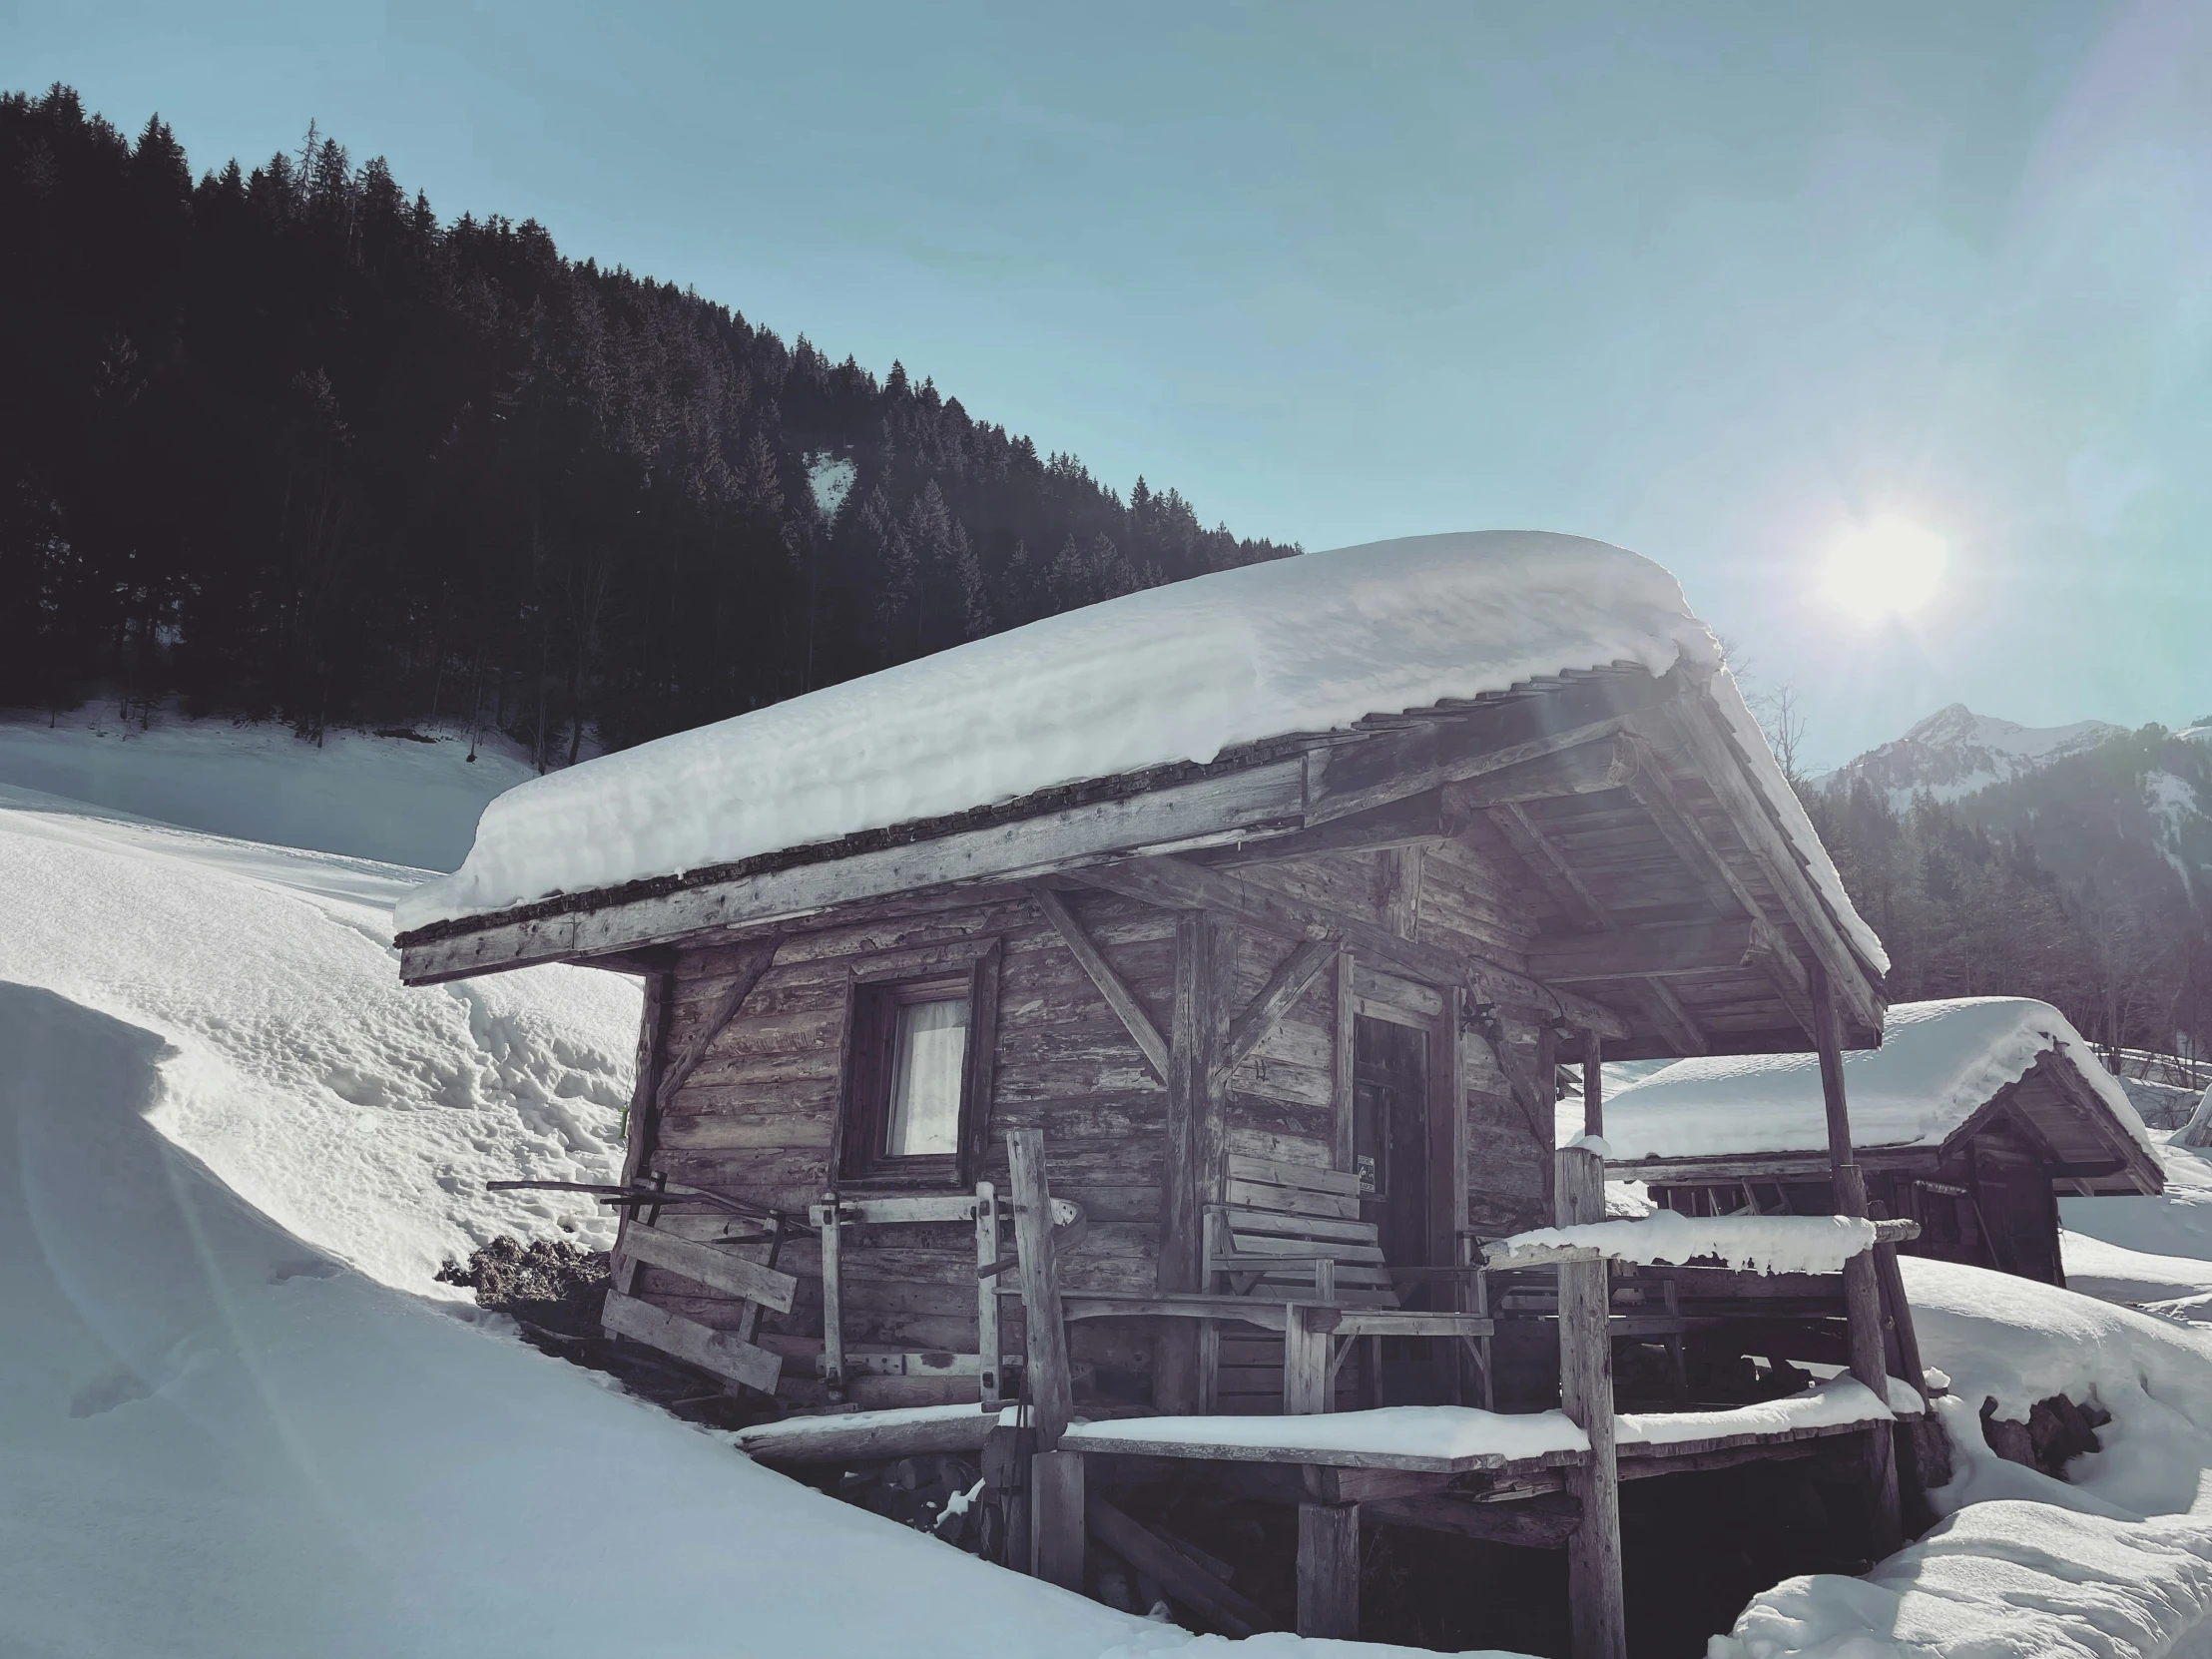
(1170,674)
(216,1440)
(1955,752)
(386,798)
(361,1115)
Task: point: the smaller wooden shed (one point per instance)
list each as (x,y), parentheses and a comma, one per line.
(1973,1118)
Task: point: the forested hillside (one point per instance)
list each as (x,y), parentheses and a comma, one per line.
(281,443)
(2086,883)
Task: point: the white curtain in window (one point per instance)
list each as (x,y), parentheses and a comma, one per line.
(926,1079)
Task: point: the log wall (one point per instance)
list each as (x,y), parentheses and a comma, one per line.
(757,1117)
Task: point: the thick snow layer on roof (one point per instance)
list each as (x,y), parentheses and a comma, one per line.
(1938,1062)
(1171,674)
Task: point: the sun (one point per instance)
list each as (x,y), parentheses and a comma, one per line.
(1887,568)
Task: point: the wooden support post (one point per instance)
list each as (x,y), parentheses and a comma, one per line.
(1199,1591)
(1862,1288)
(1051,1382)
(1307,1383)
(990,1352)
(1329,1570)
(1056,1518)
(1593,1084)
(1898,1311)
(1197,1133)
(832,1299)
(641,1121)
(1343,1091)
(1596,1600)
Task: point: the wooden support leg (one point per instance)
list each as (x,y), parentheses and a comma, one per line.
(1329,1570)
(1056,1518)
(1306,1372)
(1597,1609)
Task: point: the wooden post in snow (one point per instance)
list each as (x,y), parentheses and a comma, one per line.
(1329,1570)
(1598,1608)
(1055,1477)
(1861,1284)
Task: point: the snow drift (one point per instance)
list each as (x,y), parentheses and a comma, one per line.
(1170,674)
(216,1438)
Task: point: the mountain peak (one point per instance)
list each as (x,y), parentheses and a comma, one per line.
(1955,751)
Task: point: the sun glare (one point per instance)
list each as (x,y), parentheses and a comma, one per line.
(1886,568)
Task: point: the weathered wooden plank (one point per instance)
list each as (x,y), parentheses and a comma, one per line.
(1550,868)
(1167,881)
(701,1038)
(1723,772)
(1056,1518)
(1221,807)
(1342,1098)
(708,1266)
(1586,768)
(1196,1129)
(1292,980)
(1219,1607)
(1416,822)
(1624,952)
(1674,1022)
(841,1439)
(1118,996)
(1329,1570)
(1548,1521)
(718,1351)
(1598,1608)
(1049,1379)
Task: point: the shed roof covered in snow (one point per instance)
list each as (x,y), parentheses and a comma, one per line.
(1942,1069)
(1264,701)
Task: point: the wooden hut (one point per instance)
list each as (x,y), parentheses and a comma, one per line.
(1259,907)
(1973,1118)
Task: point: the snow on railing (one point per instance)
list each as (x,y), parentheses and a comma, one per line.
(1759,1244)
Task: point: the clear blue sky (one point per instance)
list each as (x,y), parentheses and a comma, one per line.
(1714,283)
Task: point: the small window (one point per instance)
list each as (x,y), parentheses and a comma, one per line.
(913,1079)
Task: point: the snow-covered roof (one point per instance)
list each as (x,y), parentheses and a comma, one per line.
(1938,1063)
(1172,674)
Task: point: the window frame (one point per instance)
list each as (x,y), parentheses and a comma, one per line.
(874,991)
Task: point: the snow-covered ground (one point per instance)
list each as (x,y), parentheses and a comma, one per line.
(362,1116)
(2156,1252)
(387,799)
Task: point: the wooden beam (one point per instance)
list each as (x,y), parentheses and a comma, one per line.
(1548,867)
(1654,792)
(641,1121)
(721,1351)
(1771,954)
(1597,1607)
(1638,952)
(718,1270)
(755,963)
(1177,884)
(1219,1607)
(1401,900)
(1695,723)
(841,1439)
(1417,820)
(1673,1020)
(1056,1518)
(1229,807)
(1049,1379)
(1329,1570)
(1292,980)
(1587,769)
(1490,737)
(1196,1134)
(1343,1092)
(1118,995)
(1545,1522)
(1861,1284)
(1593,1085)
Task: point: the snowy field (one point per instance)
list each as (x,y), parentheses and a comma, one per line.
(238,1417)
(386,798)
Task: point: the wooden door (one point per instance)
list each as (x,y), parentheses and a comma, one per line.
(1390,1135)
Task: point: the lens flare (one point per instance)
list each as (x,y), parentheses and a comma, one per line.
(1887,568)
